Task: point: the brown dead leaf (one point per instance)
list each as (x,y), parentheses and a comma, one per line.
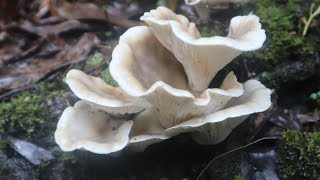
(46,30)
(78,11)
(22,75)
(122,21)
(51,20)
(124,9)
(44,8)
(52,47)
(309,118)
(8,51)
(89,11)
(286,123)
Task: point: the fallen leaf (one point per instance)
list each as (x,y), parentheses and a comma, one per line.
(90,11)
(79,11)
(123,9)
(51,20)
(52,47)
(9,50)
(24,74)
(286,123)
(46,30)
(44,8)
(122,21)
(313,117)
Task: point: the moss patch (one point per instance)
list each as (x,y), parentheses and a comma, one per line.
(299,157)
(25,112)
(96,60)
(238,177)
(106,76)
(209,31)
(282,24)
(4,144)
(279,26)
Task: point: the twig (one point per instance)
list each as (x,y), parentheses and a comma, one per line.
(236,149)
(311,16)
(14,91)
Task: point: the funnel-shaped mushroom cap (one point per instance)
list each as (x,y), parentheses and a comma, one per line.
(203,57)
(215,127)
(102,95)
(144,68)
(83,126)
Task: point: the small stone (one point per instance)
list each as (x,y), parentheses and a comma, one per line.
(33,153)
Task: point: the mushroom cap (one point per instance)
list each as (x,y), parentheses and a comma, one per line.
(203,57)
(101,95)
(83,126)
(145,69)
(215,127)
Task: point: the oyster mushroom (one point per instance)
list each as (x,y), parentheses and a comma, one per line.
(203,57)
(151,72)
(159,88)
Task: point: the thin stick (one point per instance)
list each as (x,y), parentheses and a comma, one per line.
(236,149)
(311,16)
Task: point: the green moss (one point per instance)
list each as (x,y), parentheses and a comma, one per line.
(300,155)
(104,8)
(66,156)
(283,29)
(108,34)
(106,76)
(161,3)
(208,31)
(27,111)
(238,177)
(4,144)
(96,60)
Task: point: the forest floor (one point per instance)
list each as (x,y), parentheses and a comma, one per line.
(40,40)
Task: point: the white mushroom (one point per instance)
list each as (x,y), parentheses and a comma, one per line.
(163,72)
(202,57)
(83,126)
(145,69)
